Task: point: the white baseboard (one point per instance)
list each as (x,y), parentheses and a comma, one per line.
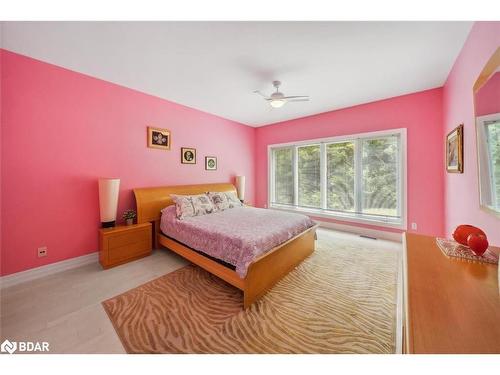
(49,269)
(384,235)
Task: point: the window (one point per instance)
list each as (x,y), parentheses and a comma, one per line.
(379,192)
(309,194)
(358,177)
(283,158)
(340,176)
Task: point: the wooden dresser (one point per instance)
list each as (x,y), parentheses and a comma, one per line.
(450,305)
(124,243)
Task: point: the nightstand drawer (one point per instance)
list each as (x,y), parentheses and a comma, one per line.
(117,254)
(122,244)
(128,238)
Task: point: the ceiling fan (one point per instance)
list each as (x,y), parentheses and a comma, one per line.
(278,99)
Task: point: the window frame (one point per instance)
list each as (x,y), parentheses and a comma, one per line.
(347,217)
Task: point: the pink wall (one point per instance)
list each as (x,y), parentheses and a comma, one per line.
(419,113)
(62,130)
(488,97)
(462,190)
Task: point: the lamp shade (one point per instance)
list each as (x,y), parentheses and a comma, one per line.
(109,189)
(240,187)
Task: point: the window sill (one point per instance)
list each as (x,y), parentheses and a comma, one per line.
(353,218)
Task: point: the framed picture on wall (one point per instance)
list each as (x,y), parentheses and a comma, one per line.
(159,138)
(455,150)
(188,155)
(210,163)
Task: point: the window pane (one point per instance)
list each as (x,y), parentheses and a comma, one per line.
(283,175)
(340,176)
(494,156)
(380,176)
(309,176)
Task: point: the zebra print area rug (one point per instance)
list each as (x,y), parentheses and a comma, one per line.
(342,299)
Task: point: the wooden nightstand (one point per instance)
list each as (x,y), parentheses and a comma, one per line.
(124,243)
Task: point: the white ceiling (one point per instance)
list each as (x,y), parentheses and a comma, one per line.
(215,66)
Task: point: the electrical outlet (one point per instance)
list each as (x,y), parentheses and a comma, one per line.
(42,251)
(414,226)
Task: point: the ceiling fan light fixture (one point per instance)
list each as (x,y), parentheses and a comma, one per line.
(277,103)
(277,99)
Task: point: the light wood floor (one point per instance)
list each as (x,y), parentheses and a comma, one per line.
(65,309)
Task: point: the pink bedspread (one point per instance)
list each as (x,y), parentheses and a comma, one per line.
(236,236)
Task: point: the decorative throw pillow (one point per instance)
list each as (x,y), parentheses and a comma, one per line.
(219,200)
(233,200)
(192,205)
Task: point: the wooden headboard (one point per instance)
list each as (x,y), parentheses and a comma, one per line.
(150,201)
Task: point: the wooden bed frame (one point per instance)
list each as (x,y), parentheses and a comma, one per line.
(262,274)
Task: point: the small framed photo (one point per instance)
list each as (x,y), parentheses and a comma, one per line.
(188,155)
(455,150)
(159,138)
(210,163)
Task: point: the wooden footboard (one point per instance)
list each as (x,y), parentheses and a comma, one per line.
(270,268)
(263,273)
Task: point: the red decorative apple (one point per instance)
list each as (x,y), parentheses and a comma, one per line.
(463,232)
(477,243)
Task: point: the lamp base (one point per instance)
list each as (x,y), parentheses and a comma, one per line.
(108,224)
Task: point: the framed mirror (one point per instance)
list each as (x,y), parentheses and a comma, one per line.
(487,116)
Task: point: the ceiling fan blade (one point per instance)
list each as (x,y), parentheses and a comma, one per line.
(261,94)
(306,97)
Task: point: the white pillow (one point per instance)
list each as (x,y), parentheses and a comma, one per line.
(219,200)
(233,199)
(192,205)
